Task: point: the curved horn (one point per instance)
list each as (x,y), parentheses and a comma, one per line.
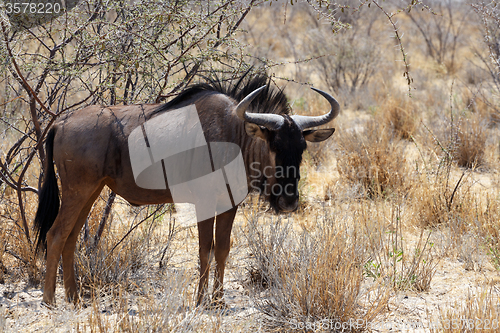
(304,122)
(270,121)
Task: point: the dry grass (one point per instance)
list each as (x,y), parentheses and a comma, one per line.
(129,253)
(150,311)
(310,275)
(490,229)
(401,116)
(443,198)
(395,261)
(18,255)
(471,135)
(374,159)
(480,313)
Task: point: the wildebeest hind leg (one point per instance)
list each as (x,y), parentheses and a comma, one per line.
(223,226)
(68,253)
(72,204)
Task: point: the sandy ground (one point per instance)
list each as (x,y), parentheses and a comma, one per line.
(450,287)
(454,281)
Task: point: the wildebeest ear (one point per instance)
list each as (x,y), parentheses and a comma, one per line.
(256,131)
(318,135)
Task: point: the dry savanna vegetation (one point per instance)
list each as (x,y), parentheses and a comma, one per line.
(398,225)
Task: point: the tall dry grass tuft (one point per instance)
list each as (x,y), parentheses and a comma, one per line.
(311,276)
(470,145)
(443,199)
(430,204)
(401,116)
(374,159)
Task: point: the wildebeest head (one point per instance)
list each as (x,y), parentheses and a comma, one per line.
(286,138)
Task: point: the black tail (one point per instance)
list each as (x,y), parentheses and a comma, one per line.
(48,197)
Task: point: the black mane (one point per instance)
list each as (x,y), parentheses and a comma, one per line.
(270,100)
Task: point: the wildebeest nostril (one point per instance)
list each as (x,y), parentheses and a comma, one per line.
(287,206)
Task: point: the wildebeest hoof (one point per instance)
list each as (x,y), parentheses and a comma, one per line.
(218,304)
(50,306)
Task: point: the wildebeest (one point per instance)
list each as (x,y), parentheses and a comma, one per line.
(89,148)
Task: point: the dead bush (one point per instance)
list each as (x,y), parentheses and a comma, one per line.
(443,31)
(346,64)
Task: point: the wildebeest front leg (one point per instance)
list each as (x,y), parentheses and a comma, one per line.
(224,225)
(206,243)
